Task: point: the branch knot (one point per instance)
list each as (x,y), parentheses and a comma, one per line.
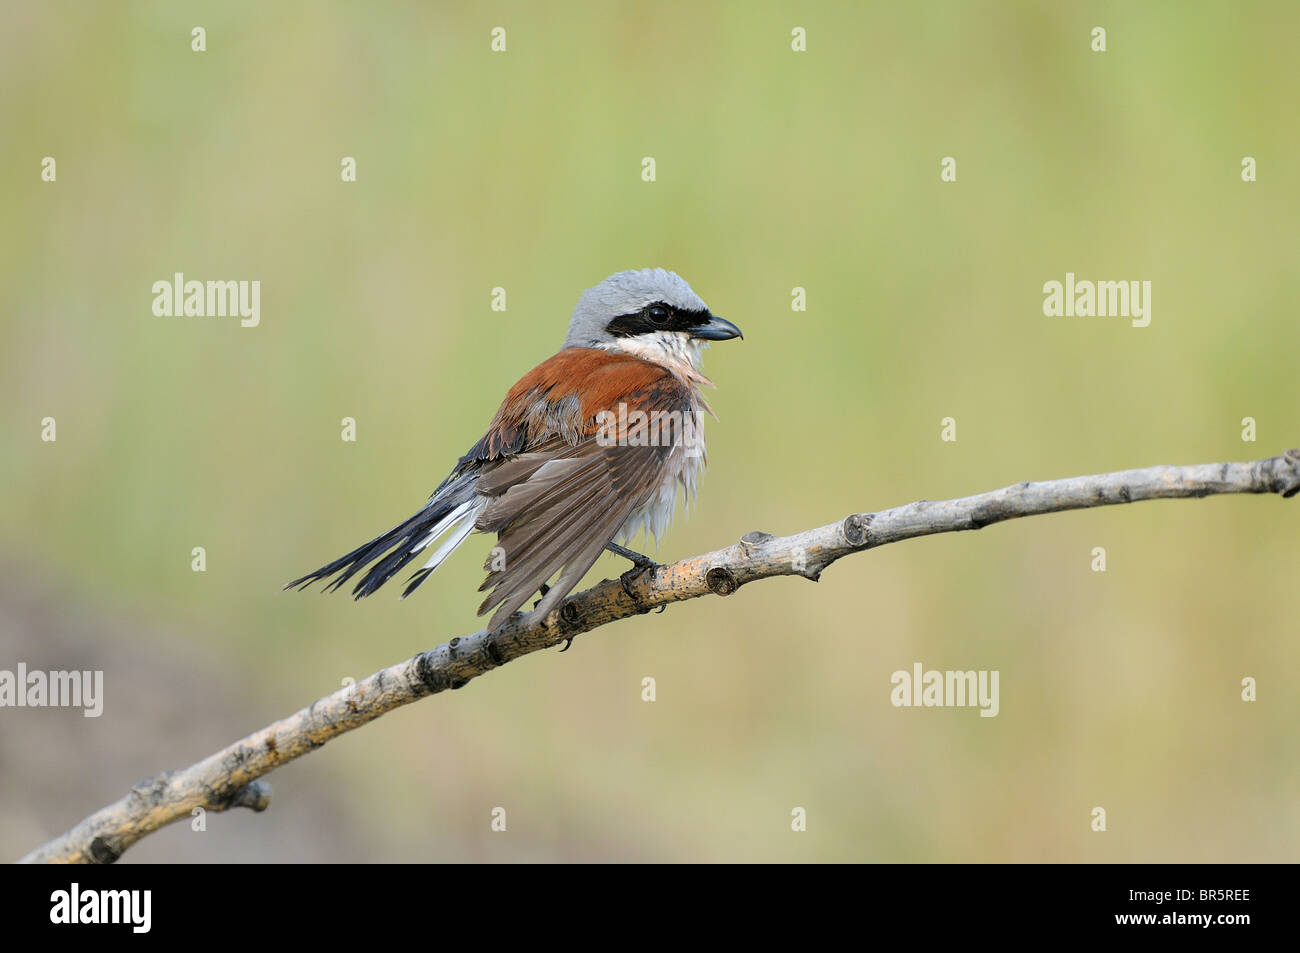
(856,529)
(721,581)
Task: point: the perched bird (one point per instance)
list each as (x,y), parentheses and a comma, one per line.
(587,448)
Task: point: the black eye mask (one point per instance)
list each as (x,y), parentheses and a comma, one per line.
(657,317)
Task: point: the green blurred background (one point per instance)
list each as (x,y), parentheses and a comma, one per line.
(775,169)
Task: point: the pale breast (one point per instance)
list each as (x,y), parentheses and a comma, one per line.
(683,468)
(680,354)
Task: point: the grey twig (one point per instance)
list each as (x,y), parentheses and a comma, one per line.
(229,778)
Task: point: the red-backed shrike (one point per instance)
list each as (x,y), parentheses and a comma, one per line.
(588,447)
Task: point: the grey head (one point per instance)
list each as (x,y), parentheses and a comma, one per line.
(645,304)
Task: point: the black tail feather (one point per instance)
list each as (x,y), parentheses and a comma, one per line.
(397,546)
(414,582)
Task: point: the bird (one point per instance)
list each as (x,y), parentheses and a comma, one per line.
(587,449)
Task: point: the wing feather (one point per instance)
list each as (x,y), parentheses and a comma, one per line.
(565,528)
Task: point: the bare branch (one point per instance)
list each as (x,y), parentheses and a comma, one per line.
(229,778)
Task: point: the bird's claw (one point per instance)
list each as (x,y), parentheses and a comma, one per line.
(629,577)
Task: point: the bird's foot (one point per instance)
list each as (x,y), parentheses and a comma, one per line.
(542,590)
(640,565)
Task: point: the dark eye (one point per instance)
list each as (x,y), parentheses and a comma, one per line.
(657,314)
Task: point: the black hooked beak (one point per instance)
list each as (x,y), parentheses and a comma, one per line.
(717,329)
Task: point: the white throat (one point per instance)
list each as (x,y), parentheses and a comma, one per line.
(675,350)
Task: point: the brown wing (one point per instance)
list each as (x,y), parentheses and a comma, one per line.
(560,485)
